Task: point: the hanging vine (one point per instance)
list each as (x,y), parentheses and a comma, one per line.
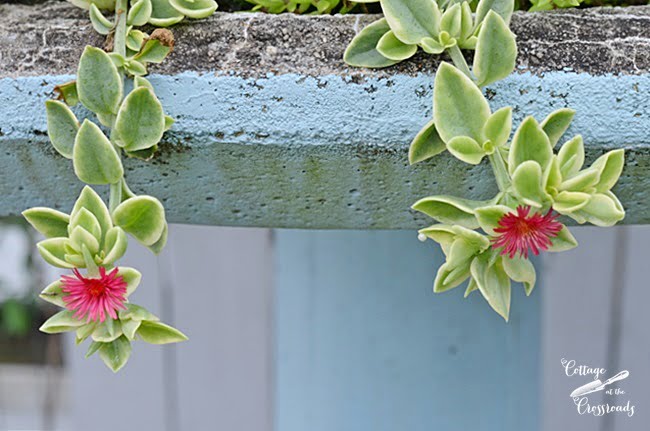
(130,121)
(488,244)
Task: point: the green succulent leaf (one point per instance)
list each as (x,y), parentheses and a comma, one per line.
(158,246)
(610,166)
(498,126)
(493,282)
(603,209)
(83,332)
(87,220)
(131,277)
(62,127)
(116,353)
(80,237)
(159,333)
(392,48)
(496,51)
(431,46)
(451,21)
(51,223)
(563,241)
(521,270)
(100,23)
(146,154)
(137,313)
(139,81)
(75,259)
(118,61)
(98,82)
(557,123)
(143,217)
(475,239)
(140,13)
(442,234)
(94,157)
(156,47)
(568,202)
(102,4)
(135,68)
(169,122)
(196,9)
(134,40)
(107,331)
(527,183)
(115,245)
(140,121)
(471,287)
(552,177)
(63,321)
(446,40)
(466,24)
(502,7)
(106,120)
(362,51)
(53,294)
(540,5)
(53,251)
(90,200)
(457,267)
(130,327)
(459,108)
(68,93)
(449,209)
(412,20)
(571,157)
(584,181)
(93,348)
(488,216)
(163,14)
(529,143)
(426,144)
(466,149)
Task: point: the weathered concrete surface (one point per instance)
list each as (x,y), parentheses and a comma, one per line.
(274,130)
(48,39)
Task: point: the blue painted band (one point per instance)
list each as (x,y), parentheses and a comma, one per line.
(314,152)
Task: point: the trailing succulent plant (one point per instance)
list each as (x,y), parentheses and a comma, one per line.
(130,121)
(311,7)
(488,243)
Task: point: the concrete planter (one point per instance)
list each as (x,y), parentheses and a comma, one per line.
(275,130)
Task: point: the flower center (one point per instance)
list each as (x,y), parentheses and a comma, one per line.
(523,227)
(95,287)
(518,232)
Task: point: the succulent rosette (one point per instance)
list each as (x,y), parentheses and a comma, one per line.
(488,243)
(96,304)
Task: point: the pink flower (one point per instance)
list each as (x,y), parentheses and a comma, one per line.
(520,232)
(94,298)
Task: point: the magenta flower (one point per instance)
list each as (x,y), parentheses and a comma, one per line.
(94,298)
(520,232)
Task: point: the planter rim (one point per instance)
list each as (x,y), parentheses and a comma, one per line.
(597,41)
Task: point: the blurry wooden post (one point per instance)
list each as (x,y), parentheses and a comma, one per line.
(363,343)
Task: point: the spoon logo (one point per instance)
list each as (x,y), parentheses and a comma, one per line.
(581,394)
